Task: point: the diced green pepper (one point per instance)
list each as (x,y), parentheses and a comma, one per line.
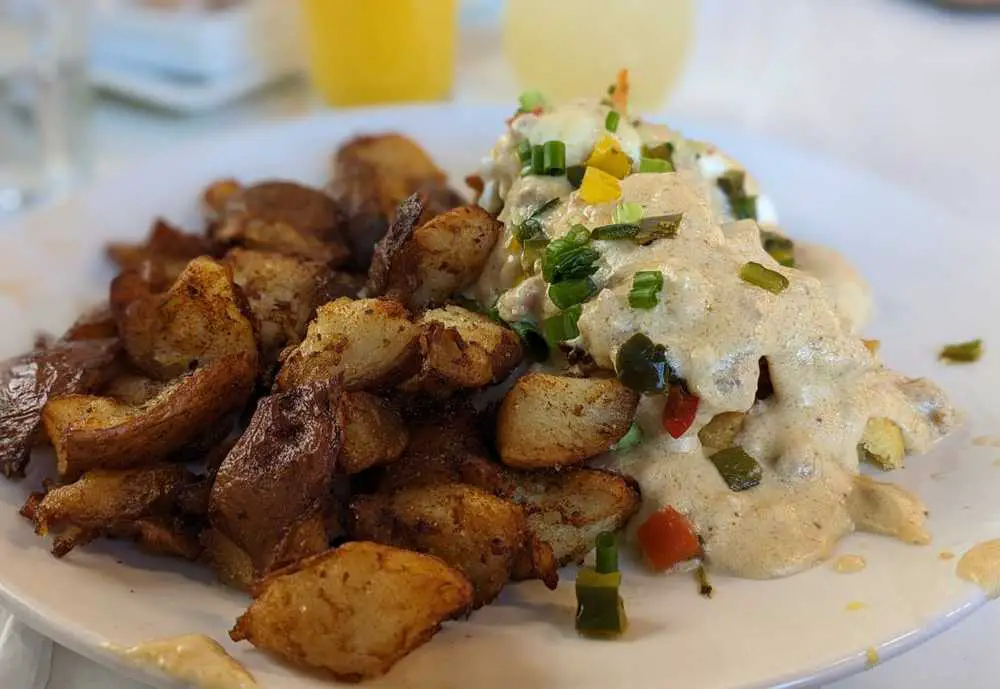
(739,470)
(962,352)
(765,278)
(642,365)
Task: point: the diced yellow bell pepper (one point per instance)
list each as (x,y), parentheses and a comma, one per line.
(609,157)
(599,187)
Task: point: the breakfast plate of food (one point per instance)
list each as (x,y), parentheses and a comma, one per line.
(549,396)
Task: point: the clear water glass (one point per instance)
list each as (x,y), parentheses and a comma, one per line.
(44,100)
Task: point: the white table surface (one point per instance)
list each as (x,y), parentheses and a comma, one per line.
(890,85)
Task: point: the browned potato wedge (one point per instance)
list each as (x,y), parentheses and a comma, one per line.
(283,292)
(721,431)
(215,198)
(29,381)
(90,432)
(279,473)
(368,342)
(287,218)
(95,324)
(568,509)
(552,421)
(882,444)
(462,349)
(478,534)
(162,536)
(426,265)
(168,247)
(374,433)
(354,611)
(230,563)
(371,177)
(202,317)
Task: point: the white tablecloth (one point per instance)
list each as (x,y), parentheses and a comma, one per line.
(890,85)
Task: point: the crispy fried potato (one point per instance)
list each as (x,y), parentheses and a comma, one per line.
(462,349)
(230,563)
(568,509)
(552,421)
(162,536)
(536,560)
(29,381)
(721,431)
(97,323)
(215,198)
(278,475)
(287,218)
(478,534)
(882,444)
(371,177)
(283,293)
(368,342)
(202,317)
(90,432)
(425,265)
(167,247)
(354,611)
(374,433)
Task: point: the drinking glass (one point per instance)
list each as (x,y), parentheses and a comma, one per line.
(44,99)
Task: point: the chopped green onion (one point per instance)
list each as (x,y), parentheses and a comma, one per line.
(664,151)
(563,326)
(611,121)
(529,100)
(643,232)
(744,208)
(733,185)
(578,234)
(600,611)
(531,227)
(615,231)
(732,182)
(569,257)
(606,560)
(779,247)
(765,278)
(554,158)
(524,152)
(642,365)
(537,160)
(739,470)
(704,587)
(627,212)
(654,165)
(629,440)
(533,339)
(962,352)
(572,292)
(574,174)
(646,286)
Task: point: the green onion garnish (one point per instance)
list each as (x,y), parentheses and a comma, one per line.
(529,100)
(606,561)
(562,326)
(524,152)
(646,286)
(779,247)
(574,174)
(600,611)
(554,158)
(531,227)
(569,257)
(962,352)
(626,212)
(642,365)
(733,185)
(644,232)
(572,292)
(654,165)
(611,121)
(765,278)
(664,151)
(629,440)
(533,339)
(739,470)
(537,160)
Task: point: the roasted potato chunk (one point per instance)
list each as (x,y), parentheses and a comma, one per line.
(167,247)
(354,611)
(425,265)
(721,431)
(215,198)
(568,509)
(90,432)
(366,342)
(173,537)
(278,475)
(552,421)
(374,434)
(202,317)
(287,218)
(29,381)
(882,444)
(283,293)
(371,177)
(478,534)
(230,563)
(462,349)
(97,323)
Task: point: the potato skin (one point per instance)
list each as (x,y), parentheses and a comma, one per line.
(478,534)
(168,248)
(374,433)
(279,472)
(90,432)
(548,421)
(368,342)
(354,611)
(28,382)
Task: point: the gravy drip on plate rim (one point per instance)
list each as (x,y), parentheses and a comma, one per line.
(980,565)
(716,328)
(193,658)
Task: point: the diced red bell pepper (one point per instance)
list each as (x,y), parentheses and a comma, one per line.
(666,538)
(679,411)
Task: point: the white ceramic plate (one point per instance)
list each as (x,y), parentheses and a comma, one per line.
(932,276)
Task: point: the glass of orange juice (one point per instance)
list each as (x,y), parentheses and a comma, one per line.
(381,51)
(595,38)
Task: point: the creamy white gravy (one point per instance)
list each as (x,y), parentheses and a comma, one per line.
(716,328)
(193,658)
